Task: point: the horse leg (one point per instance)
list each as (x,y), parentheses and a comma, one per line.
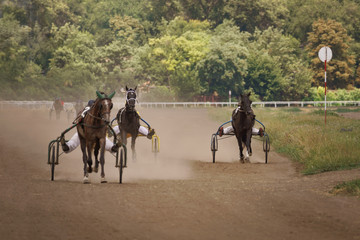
(247,144)
(89,161)
(240,148)
(96,153)
(133,138)
(250,152)
(123,137)
(83,149)
(102,159)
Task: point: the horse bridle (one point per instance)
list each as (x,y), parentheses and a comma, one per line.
(100,117)
(131,98)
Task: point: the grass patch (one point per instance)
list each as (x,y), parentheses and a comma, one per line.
(292,109)
(344,110)
(302,135)
(322,112)
(348,188)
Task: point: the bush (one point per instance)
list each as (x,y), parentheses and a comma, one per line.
(318,94)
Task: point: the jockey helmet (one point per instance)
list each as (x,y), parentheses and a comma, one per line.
(90,102)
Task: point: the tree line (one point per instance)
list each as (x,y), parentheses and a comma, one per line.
(177,49)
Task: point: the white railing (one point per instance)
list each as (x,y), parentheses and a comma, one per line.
(260,104)
(68,105)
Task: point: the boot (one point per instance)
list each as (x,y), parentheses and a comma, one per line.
(221,131)
(64,146)
(115,147)
(261,132)
(151,133)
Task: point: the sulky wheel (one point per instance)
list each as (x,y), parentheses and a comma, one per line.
(266,147)
(155,145)
(121,165)
(214,146)
(52,162)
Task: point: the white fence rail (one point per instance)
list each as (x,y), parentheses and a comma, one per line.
(68,105)
(261,104)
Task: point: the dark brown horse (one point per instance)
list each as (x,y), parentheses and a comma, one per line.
(129,120)
(243,120)
(92,131)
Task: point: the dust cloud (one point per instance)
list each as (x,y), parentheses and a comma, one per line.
(184,135)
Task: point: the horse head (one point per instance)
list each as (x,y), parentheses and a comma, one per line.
(130,97)
(245,103)
(104,105)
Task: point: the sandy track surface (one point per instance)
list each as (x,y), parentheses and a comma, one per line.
(179,195)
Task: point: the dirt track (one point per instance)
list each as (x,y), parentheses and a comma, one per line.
(181,195)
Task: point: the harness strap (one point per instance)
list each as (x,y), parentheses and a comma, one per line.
(92,126)
(120,114)
(238,109)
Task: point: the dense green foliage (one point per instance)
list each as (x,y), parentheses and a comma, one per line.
(185,48)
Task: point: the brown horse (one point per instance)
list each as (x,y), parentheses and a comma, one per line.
(57,106)
(243,120)
(92,131)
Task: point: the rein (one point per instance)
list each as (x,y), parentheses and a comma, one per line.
(100,117)
(93,126)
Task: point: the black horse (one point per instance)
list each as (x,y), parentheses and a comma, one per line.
(92,131)
(243,120)
(129,120)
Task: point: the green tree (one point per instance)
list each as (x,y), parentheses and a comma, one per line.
(128,30)
(162,9)
(260,14)
(210,10)
(171,59)
(264,76)
(13,54)
(303,13)
(339,69)
(224,66)
(285,55)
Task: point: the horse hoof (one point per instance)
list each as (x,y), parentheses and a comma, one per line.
(103,180)
(89,169)
(96,169)
(86,180)
(247,159)
(242,160)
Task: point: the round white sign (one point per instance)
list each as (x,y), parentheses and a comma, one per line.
(325,53)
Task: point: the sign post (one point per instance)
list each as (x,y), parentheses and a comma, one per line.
(325,55)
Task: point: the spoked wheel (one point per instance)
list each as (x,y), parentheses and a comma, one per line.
(155,145)
(214,146)
(52,162)
(266,146)
(120,164)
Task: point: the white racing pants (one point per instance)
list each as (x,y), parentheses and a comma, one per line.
(230,129)
(74,141)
